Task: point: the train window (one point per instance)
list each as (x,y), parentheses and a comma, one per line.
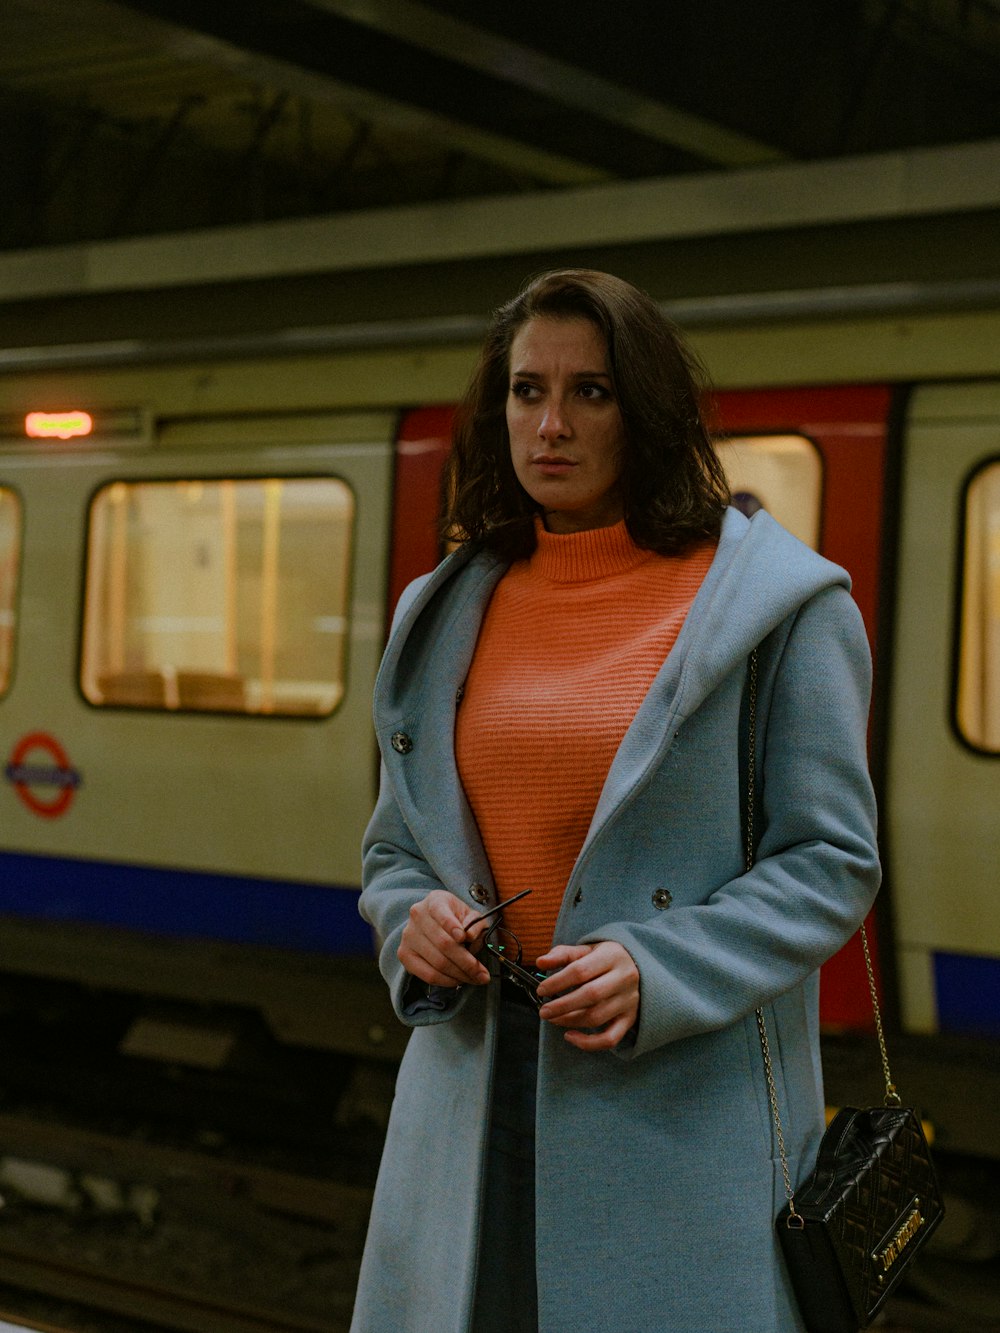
(978,703)
(218,595)
(10,559)
(780,473)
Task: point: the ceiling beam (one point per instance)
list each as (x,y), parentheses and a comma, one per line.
(471,45)
(878,186)
(891,300)
(188,42)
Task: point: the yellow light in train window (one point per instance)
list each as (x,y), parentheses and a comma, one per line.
(57,425)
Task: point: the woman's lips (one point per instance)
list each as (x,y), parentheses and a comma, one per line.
(551,465)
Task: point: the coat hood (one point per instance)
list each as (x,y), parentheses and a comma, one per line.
(760,576)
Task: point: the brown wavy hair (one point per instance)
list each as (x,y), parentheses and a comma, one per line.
(673,487)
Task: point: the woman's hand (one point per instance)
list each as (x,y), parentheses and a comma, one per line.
(597,986)
(435,946)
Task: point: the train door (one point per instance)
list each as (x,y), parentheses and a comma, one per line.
(816,460)
(943,811)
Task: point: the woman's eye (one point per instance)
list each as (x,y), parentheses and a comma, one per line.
(523,389)
(593,392)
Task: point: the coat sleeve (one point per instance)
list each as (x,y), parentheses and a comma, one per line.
(706,965)
(395,876)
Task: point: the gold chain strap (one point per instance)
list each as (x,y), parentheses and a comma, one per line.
(891,1095)
(772,1092)
(794,1219)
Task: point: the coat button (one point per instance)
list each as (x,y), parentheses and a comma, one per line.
(401,743)
(478,894)
(662,898)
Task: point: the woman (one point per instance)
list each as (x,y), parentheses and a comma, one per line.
(562,706)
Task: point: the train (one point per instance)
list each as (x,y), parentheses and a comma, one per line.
(199,559)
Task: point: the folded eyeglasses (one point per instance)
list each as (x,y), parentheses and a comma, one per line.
(504,946)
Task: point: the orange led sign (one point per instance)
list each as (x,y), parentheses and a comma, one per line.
(57,425)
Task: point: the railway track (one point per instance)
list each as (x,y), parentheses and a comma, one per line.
(175,1238)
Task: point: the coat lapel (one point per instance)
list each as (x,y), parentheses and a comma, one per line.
(416,696)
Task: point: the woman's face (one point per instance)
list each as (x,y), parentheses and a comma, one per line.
(567,439)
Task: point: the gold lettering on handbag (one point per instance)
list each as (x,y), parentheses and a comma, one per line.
(884,1259)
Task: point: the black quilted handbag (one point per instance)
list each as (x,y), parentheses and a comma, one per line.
(854,1226)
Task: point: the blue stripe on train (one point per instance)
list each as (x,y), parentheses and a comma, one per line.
(190,904)
(968,994)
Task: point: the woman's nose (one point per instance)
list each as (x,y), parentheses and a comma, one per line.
(553,424)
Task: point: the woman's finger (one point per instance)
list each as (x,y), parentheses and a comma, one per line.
(572,1000)
(568,977)
(606,1040)
(440,970)
(561,956)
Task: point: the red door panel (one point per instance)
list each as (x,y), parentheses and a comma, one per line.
(848,426)
(422,446)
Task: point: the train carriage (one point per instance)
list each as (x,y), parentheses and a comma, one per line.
(197,566)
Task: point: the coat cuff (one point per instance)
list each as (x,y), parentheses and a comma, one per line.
(421,1003)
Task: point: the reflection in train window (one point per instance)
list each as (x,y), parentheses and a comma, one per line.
(978,703)
(221,596)
(10,559)
(780,473)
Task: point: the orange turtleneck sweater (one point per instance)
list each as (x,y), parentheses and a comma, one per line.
(569,646)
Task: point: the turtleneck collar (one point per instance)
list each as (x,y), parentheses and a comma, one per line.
(579,557)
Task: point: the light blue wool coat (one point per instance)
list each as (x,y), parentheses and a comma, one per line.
(657,1173)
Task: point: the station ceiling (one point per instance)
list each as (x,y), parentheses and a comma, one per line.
(193,177)
(124,118)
